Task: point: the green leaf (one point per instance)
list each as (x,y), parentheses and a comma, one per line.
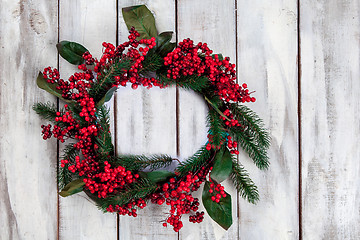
(142,19)
(159,176)
(220,212)
(168,47)
(72,188)
(223,166)
(71,52)
(49,87)
(107,97)
(163,38)
(216,108)
(163,44)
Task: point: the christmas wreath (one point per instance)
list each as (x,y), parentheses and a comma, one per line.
(125,183)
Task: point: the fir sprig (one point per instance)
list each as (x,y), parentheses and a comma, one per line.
(257,152)
(48,111)
(244,185)
(106,79)
(75,109)
(151,63)
(139,162)
(140,189)
(65,176)
(215,125)
(103,139)
(192,82)
(195,162)
(252,123)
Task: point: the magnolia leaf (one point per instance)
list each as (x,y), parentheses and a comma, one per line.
(168,47)
(223,166)
(72,188)
(49,87)
(216,108)
(163,38)
(107,97)
(71,52)
(220,212)
(142,19)
(159,176)
(163,44)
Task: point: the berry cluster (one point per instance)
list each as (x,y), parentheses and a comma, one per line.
(190,59)
(109,180)
(129,208)
(197,218)
(177,195)
(232,145)
(46,132)
(217,191)
(134,54)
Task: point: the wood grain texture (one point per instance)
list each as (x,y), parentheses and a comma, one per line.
(145,120)
(267,62)
(89,23)
(330,49)
(212,22)
(28,197)
(146,124)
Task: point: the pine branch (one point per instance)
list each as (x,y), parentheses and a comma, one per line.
(215,125)
(195,162)
(70,153)
(251,122)
(106,79)
(48,111)
(193,82)
(64,175)
(151,63)
(244,185)
(247,142)
(138,162)
(103,139)
(139,189)
(75,112)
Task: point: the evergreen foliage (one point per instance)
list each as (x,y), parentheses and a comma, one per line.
(64,175)
(151,63)
(215,125)
(251,135)
(47,111)
(252,123)
(139,162)
(257,152)
(244,185)
(106,79)
(75,110)
(192,82)
(195,162)
(103,139)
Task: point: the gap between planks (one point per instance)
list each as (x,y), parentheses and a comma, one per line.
(299,119)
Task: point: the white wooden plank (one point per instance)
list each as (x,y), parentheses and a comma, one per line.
(89,23)
(28,195)
(146,124)
(267,62)
(212,22)
(330,33)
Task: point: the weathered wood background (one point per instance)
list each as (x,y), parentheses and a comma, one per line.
(301,56)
